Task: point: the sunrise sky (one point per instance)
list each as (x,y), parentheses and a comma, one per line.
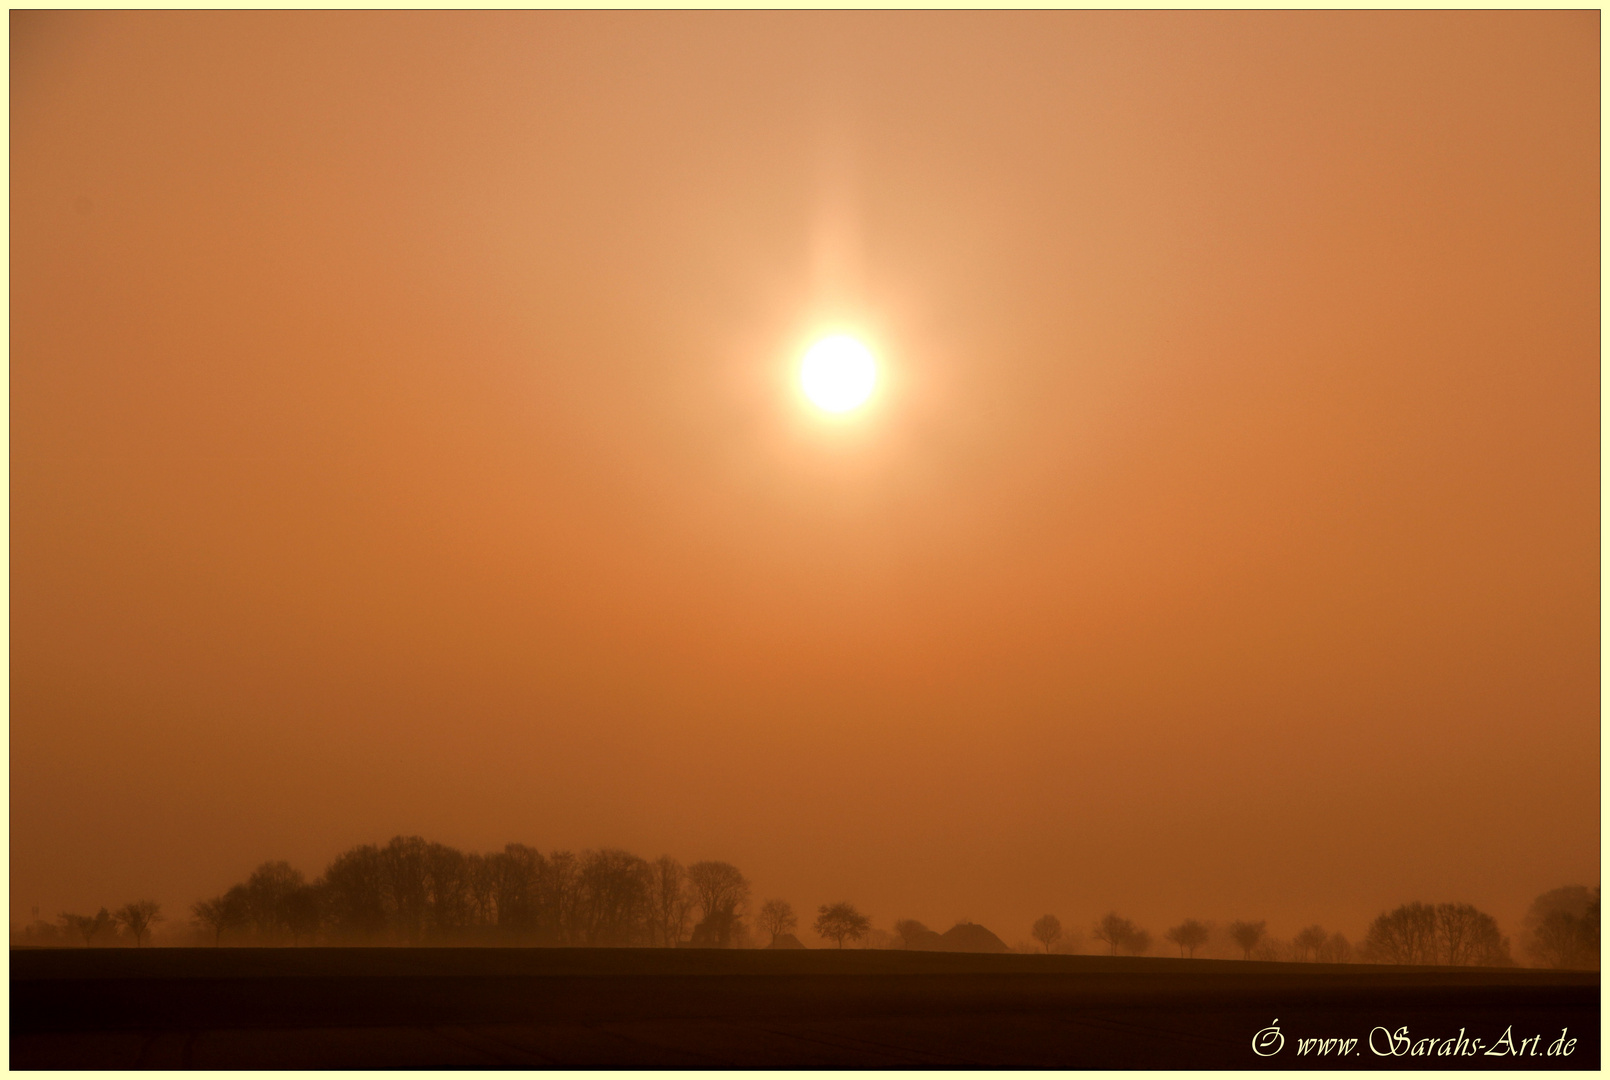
(406,437)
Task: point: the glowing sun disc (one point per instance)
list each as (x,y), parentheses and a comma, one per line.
(838,373)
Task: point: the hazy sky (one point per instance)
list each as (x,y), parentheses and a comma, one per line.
(404,439)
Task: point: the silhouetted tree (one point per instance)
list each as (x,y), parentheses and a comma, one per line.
(1247,935)
(1189,936)
(447,892)
(1405,935)
(613,898)
(777,918)
(268,892)
(721,892)
(137,918)
(1336,950)
(670,902)
(405,878)
(481,887)
(1561,929)
(521,894)
(838,922)
(226,912)
(1467,937)
(1138,943)
(1047,930)
(558,899)
(1117,932)
(355,895)
(1309,941)
(88,927)
(911,932)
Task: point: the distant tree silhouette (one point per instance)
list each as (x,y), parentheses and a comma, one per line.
(613,898)
(777,918)
(527,893)
(838,922)
(88,927)
(910,932)
(1247,935)
(1561,928)
(1189,935)
(355,896)
(405,877)
(1138,943)
(721,892)
(1309,942)
(1118,933)
(1405,935)
(412,891)
(559,900)
(1336,950)
(137,918)
(1047,930)
(1453,934)
(480,882)
(268,893)
(670,901)
(1466,937)
(448,900)
(226,912)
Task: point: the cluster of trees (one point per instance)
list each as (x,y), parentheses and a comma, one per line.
(1450,934)
(133,920)
(1562,928)
(411,892)
(1123,935)
(1120,933)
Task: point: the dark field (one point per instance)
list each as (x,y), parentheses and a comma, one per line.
(471,1008)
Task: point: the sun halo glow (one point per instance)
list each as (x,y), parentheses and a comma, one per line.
(838,373)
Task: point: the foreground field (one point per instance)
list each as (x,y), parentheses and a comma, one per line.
(490,1008)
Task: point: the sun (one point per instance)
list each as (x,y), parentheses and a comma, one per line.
(838,373)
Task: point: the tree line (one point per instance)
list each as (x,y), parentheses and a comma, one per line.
(1562,931)
(414,892)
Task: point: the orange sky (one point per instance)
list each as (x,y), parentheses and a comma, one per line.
(403,441)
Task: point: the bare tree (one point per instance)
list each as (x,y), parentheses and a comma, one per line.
(221,913)
(1247,935)
(777,918)
(1138,943)
(88,927)
(1189,936)
(910,932)
(1561,929)
(613,898)
(1309,941)
(841,921)
(268,893)
(670,901)
(721,892)
(1116,931)
(1047,930)
(448,903)
(354,895)
(1336,950)
(137,918)
(1406,935)
(1468,937)
(480,883)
